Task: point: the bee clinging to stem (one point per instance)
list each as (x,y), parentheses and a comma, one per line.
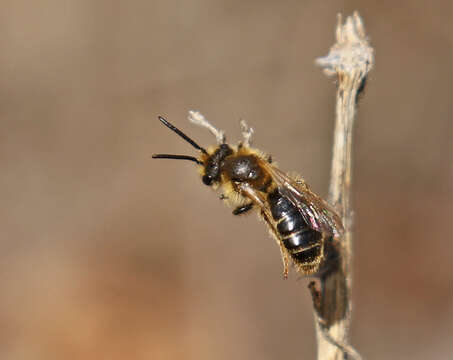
(300,221)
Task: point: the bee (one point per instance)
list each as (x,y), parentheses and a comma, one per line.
(300,221)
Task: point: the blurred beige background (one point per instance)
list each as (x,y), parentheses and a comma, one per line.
(107,254)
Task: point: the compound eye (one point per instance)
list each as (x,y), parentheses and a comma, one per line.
(207,180)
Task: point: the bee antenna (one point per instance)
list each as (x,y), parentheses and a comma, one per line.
(177,157)
(181,134)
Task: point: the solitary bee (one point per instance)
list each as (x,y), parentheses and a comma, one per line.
(300,221)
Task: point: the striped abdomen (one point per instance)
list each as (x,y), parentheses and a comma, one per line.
(302,242)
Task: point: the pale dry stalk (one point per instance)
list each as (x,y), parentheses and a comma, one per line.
(350,59)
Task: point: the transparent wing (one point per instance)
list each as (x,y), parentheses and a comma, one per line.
(317,213)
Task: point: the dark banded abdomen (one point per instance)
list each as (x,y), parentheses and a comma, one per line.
(302,242)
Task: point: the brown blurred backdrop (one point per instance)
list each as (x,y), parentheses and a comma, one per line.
(107,254)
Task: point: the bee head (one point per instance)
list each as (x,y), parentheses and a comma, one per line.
(213,164)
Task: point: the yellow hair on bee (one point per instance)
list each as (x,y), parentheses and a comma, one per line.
(300,221)
(230,195)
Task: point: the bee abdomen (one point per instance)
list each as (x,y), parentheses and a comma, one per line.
(289,220)
(302,239)
(308,255)
(303,243)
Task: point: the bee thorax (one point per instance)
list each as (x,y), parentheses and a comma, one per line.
(243,168)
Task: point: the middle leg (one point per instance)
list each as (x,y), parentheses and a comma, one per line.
(243,209)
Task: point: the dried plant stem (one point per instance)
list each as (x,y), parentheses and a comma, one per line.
(351,59)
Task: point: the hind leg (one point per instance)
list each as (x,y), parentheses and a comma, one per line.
(285,259)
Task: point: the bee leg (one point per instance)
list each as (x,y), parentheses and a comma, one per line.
(316,296)
(285,259)
(242,209)
(198,119)
(283,251)
(223,197)
(247,133)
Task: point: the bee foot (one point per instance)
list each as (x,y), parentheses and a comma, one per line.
(247,133)
(197,118)
(285,274)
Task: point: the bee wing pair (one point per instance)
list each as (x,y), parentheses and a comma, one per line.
(316,212)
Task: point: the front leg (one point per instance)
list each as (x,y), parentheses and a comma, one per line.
(243,209)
